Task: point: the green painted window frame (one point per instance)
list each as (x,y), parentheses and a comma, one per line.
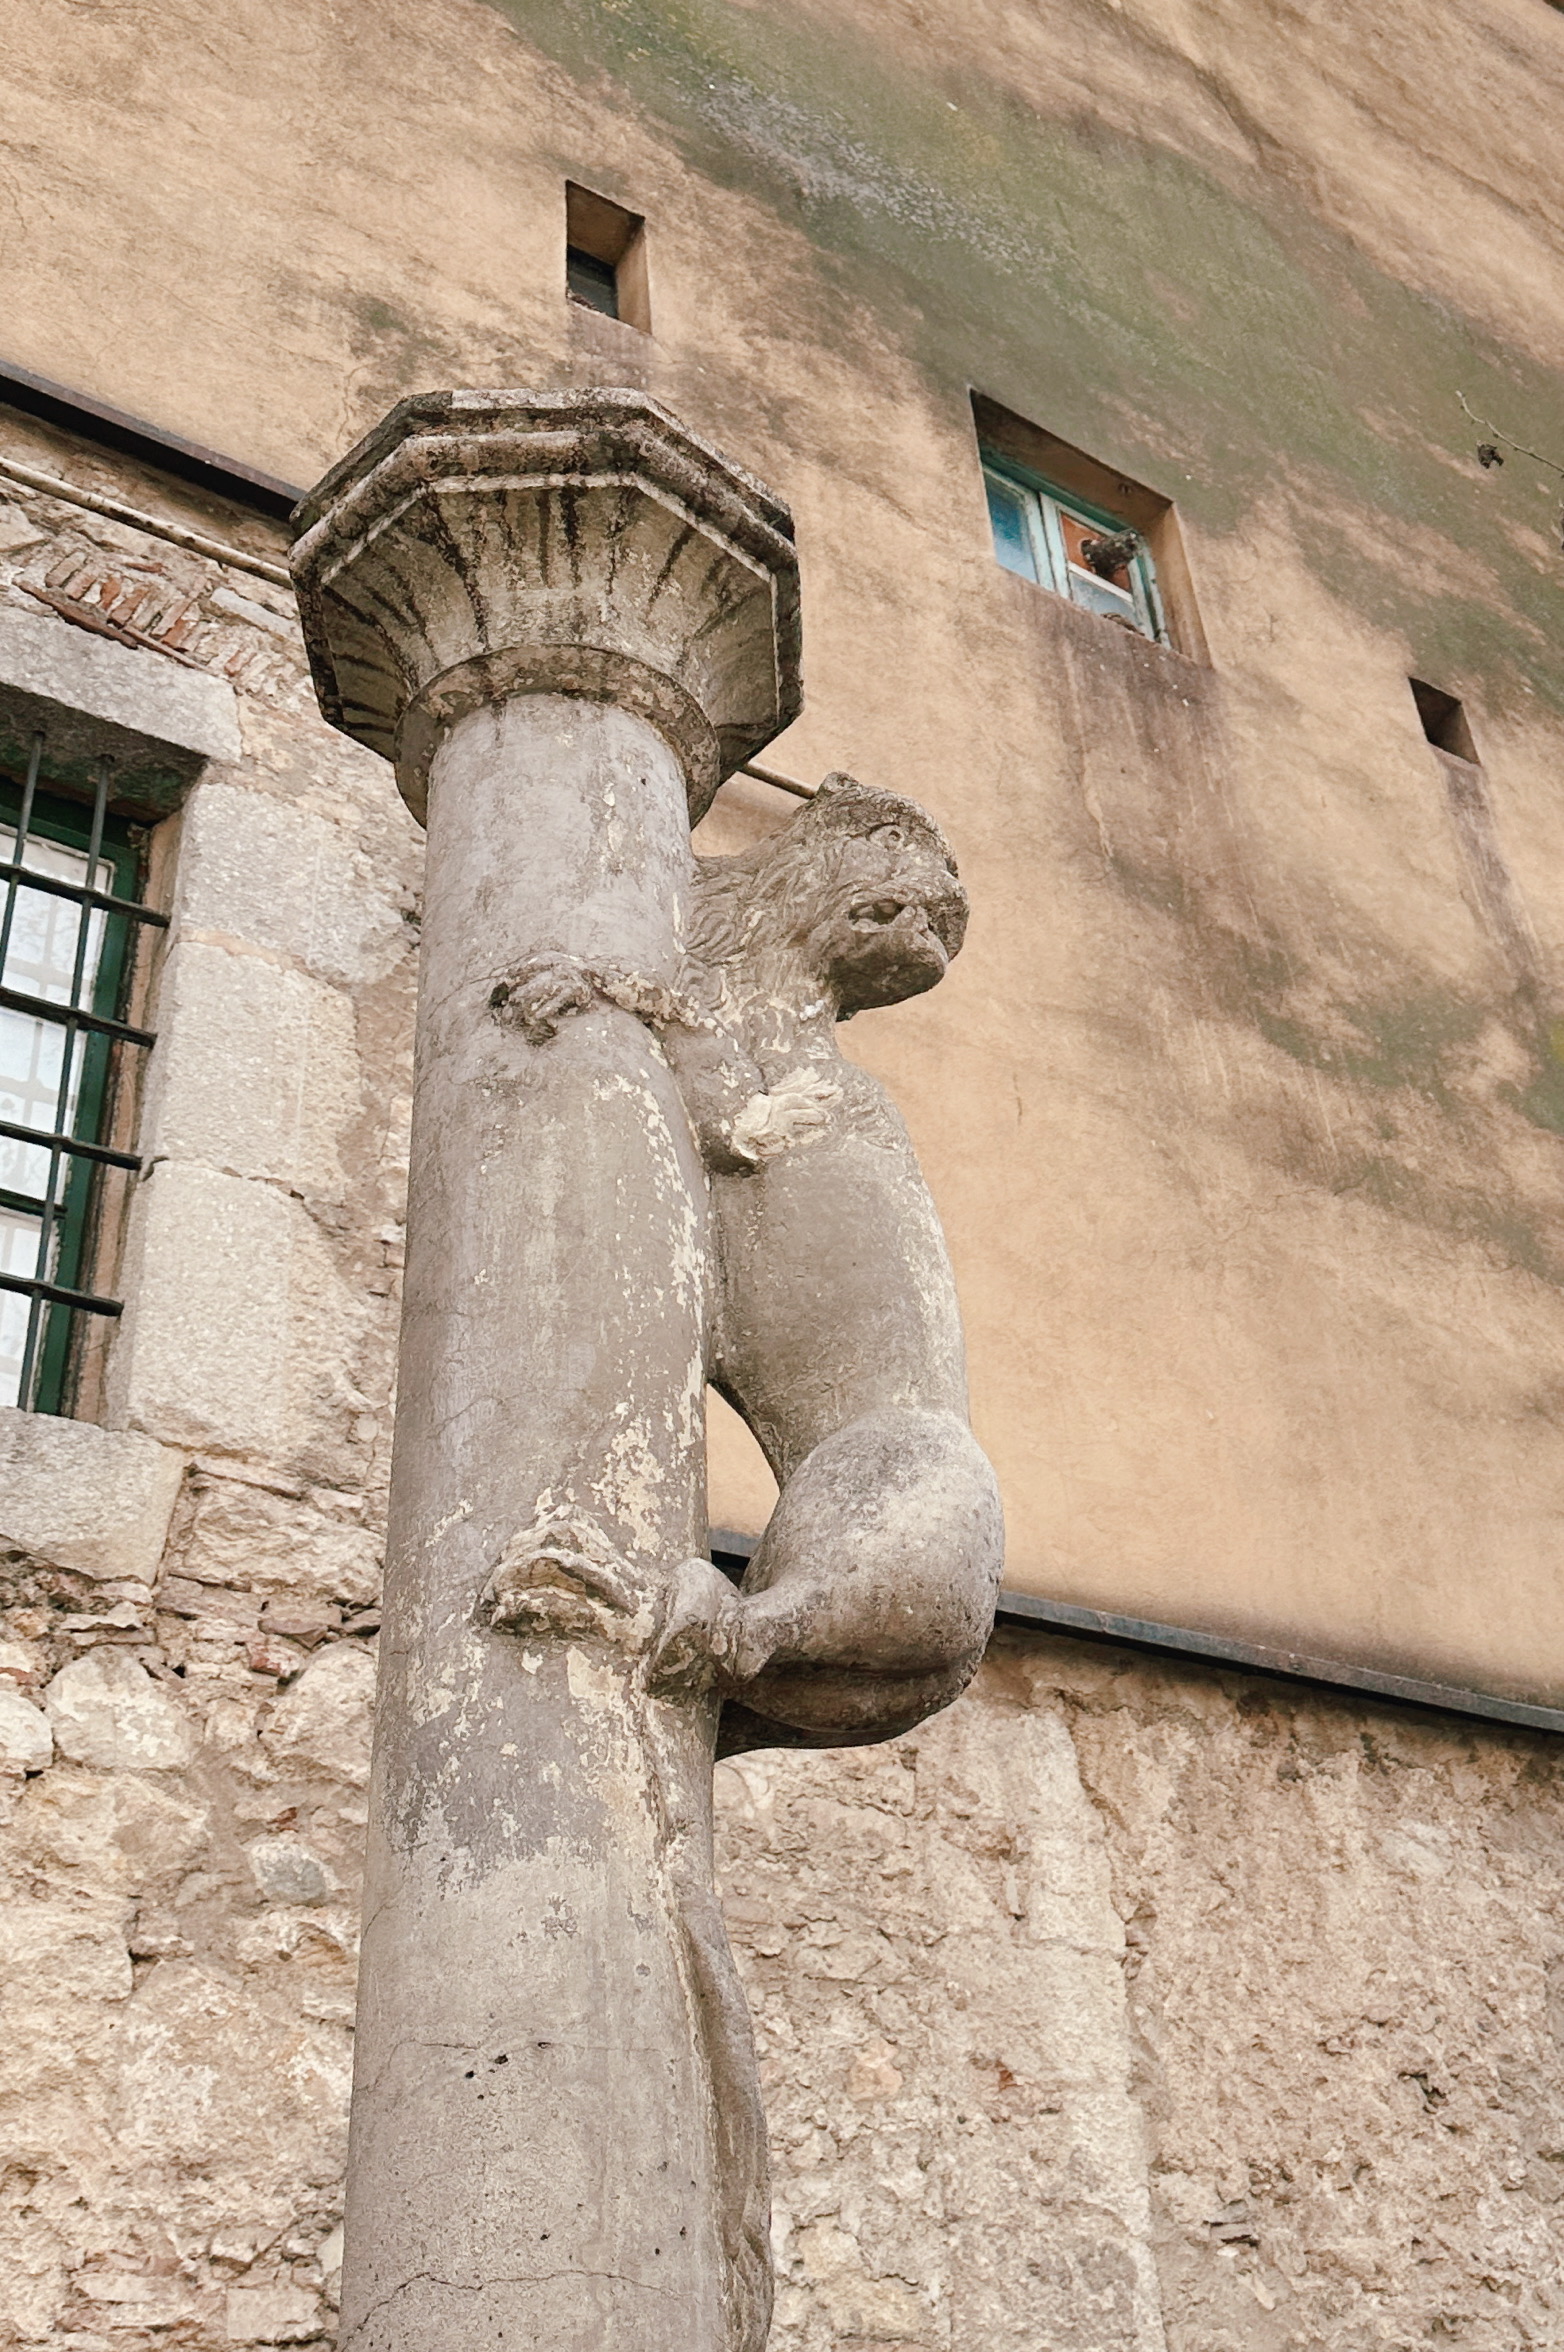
(1036,504)
(120,866)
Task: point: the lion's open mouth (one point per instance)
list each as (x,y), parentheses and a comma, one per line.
(875,913)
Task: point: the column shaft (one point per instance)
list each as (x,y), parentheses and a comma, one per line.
(533,2160)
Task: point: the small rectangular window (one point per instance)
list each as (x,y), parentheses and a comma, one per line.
(605,258)
(1094,558)
(1084,531)
(1444,720)
(70,920)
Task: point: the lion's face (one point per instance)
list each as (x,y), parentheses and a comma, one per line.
(896,916)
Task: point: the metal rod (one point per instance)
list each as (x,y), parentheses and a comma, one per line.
(55,1294)
(69,1143)
(13,892)
(51,1208)
(29,788)
(15,1000)
(776,777)
(193,542)
(31,879)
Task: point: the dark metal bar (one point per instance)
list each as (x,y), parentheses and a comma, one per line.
(69,1143)
(54,1294)
(1212,1649)
(23,822)
(775,777)
(170,453)
(49,1215)
(15,1001)
(1017,1609)
(29,878)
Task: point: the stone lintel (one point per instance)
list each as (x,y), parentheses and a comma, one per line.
(159,721)
(479,545)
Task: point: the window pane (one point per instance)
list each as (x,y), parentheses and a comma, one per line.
(41,955)
(1102,596)
(18,1255)
(1012,537)
(40,961)
(594,282)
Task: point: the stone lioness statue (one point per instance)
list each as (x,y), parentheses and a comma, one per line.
(871,1596)
(836,1332)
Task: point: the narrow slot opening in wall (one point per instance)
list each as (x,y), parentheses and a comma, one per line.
(605,258)
(1444,720)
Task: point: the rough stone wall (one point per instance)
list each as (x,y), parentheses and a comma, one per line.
(1113,1968)
(187,1602)
(1117,2007)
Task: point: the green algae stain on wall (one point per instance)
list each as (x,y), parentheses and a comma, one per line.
(1217,346)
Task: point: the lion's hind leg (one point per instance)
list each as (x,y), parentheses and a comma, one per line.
(870,1599)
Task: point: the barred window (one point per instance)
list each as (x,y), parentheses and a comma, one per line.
(70,925)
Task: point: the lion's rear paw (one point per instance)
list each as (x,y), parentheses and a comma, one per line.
(700,1642)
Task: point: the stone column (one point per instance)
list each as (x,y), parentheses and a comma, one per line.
(565,620)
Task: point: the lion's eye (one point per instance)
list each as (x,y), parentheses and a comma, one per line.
(889,836)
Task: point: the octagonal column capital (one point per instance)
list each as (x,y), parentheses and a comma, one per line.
(481,545)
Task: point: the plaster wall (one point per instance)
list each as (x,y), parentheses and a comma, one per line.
(1243,1107)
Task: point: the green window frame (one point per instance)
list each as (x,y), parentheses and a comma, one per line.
(1043,533)
(70,917)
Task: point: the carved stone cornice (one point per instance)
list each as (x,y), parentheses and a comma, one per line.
(478,545)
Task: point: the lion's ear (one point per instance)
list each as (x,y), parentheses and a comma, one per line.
(837,781)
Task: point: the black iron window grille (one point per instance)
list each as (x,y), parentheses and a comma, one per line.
(70,927)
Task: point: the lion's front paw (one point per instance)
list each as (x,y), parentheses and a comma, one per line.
(562,1576)
(540,993)
(794,1110)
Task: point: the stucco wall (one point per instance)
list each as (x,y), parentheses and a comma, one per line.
(1253,1186)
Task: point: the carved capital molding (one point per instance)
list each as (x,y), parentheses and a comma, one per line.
(479,545)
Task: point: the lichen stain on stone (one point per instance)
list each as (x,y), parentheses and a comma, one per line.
(1412,1105)
(942,223)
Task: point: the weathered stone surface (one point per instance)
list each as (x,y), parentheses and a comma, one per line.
(46,661)
(235,1303)
(94,1500)
(322,1723)
(26,1741)
(559,613)
(62,1958)
(289,882)
(934,1921)
(107,1711)
(122,1834)
(574,542)
(287,1871)
(257,1071)
(275,1541)
(271,2315)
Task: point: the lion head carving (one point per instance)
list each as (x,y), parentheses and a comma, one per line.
(857,899)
